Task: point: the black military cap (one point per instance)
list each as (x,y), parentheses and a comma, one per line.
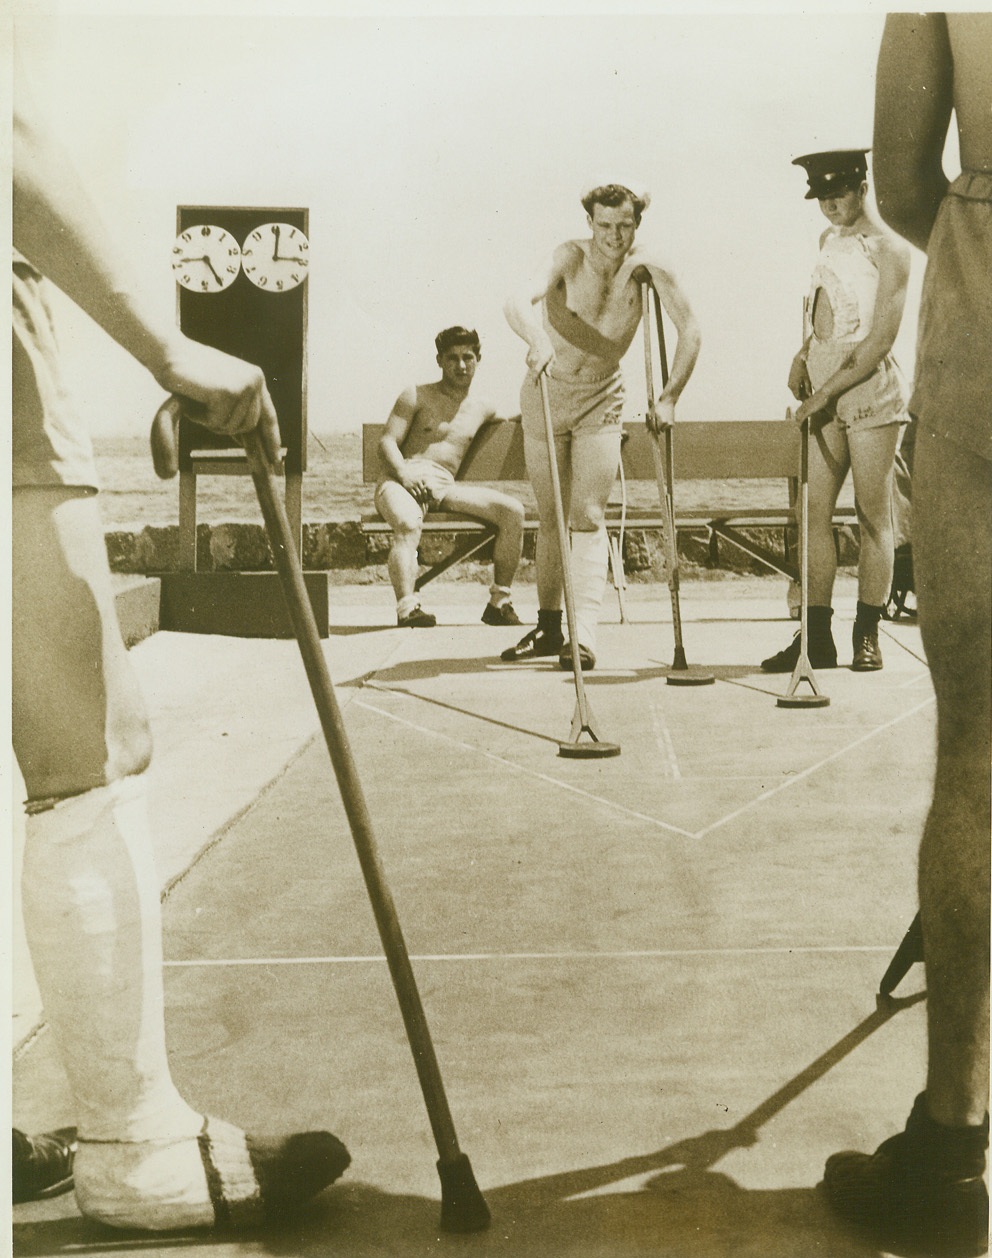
(834,172)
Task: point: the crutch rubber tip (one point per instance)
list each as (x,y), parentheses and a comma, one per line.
(588,751)
(802,701)
(463,1207)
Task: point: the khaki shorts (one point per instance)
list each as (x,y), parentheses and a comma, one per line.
(577,406)
(437,478)
(953,389)
(873,403)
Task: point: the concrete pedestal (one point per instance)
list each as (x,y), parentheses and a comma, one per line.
(236,604)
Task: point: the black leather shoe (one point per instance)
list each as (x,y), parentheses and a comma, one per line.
(42,1165)
(586,658)
(532,646)
(920,1192)
(504,615)
(417,618)
(821,652)
(867,656)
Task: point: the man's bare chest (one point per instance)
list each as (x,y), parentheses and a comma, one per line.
(441,419)
(612,302)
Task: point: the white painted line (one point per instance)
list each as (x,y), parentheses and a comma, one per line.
(663,739)
(640,954)
(544,777)
(813,768)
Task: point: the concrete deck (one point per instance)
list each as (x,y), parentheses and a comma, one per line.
(650,979)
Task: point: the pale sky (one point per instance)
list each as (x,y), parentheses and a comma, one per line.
(442,158)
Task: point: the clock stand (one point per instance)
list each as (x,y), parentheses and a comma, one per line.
(264,321)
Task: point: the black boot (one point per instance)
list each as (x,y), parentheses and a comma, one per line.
(819,645)
(42,1165)
(866,655)
(545,640)
(921,1191)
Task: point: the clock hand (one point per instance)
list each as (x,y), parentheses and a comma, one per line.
(275,251)
(212,271)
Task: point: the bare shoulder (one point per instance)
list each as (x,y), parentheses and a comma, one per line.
(569,256)
(407,403)
(651,257)
(890,250)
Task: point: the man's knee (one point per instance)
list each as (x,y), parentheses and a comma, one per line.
(508,515)
(406,534)
(587,518)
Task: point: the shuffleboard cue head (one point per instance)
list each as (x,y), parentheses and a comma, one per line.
(463,1207)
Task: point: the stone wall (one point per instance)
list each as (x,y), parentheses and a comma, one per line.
(345,548)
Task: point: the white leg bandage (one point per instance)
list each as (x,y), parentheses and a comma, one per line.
(590,558)
(93,924)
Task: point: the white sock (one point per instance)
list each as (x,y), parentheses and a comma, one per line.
(498,595)
(405,606)
(590,559)
(93,923)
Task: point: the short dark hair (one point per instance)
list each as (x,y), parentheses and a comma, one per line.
(612,195)
(458,336)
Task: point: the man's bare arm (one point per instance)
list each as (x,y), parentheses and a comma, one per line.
(522,313)
(395,433)
(60,229)
(688,339)
(913,102)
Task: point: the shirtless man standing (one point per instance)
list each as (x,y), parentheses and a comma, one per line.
(592,306)
(923,1189)
(427,435)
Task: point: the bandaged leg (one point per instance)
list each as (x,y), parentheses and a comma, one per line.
(589,563)
(93,923)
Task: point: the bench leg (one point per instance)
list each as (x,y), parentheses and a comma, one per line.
(760,553)
(472,542)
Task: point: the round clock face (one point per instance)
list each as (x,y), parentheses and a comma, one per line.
(206,259)
(276,257)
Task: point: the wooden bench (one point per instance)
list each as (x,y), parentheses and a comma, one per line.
(720,451)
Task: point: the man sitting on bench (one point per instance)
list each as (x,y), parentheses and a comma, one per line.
(427,436)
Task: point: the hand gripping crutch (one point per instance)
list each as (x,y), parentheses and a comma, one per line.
(576,747)
(803,670)
(463,1207)
(680,674)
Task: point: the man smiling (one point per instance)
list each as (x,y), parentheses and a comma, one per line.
(591,296)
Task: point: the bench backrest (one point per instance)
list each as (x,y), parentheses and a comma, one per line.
(721,450)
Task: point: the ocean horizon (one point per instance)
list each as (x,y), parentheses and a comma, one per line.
(132,497)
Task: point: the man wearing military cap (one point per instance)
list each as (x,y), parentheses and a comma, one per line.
(852,392)
(590,293)
(841,170)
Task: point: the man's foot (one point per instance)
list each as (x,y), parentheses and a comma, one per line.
(538,644)
(222,1178)
(42,1165)
(821,652)
(586,658)
(867,657)
(417,618)
(921,1191)
(503,615)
